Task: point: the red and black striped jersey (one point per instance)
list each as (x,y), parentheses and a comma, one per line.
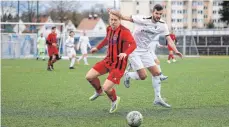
(119,41)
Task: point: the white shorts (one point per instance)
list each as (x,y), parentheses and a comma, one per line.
(83,50)
(141,60)
(154,55)
(71,52)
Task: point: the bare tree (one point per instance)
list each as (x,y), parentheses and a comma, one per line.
(7,10)
(29,10)
(76,18)
(61,9)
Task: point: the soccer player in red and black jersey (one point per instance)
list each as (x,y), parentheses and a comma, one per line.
(52,49)
(173,37)
(120,44)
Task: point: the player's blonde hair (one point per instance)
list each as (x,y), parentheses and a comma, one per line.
(119,17)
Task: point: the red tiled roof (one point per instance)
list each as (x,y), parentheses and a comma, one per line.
(88,24)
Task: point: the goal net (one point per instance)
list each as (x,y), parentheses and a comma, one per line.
(186,44)
(18,45)
(19,40)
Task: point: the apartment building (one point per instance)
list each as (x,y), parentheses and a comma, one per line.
(179,14)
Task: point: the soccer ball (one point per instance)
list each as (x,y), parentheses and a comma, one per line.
(134,118)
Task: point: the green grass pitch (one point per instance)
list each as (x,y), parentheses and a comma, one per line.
(197,89)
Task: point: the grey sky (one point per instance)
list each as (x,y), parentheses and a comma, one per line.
(87,4)
(46,4)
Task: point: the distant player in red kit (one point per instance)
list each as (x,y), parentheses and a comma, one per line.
(52,49)
(120,44)
(173,37)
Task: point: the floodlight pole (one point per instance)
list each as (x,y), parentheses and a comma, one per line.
(37,10)
(114,4)
(18,9)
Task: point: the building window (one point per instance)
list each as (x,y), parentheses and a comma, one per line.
(194,3)
(205,16)
(193,10)
(194,20)
(173,2)
(200,3)
(137,11)
(179,20)
(184,11)
(150,2)
(199,20)
(185,20)
(179,12)
(205,7)
(137,3)
(200,12)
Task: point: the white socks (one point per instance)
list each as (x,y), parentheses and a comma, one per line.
(133,75)
(159,68)
(72,61)
(157,86)
(80,58)
(85,60)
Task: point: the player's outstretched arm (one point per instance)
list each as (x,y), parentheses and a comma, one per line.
(171,44)
(160,46)
(118,14)
(93,50)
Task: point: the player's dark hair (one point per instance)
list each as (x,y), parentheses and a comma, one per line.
(53,27)
(157,7)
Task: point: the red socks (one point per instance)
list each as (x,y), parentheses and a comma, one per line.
(112,95)
(96,84)
(170,56)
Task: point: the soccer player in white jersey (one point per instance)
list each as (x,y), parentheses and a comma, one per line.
(83,45)
(70,47)
(147,30)
(41,45)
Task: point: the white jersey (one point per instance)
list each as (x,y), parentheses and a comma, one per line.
(147,32)
(153,46)
(84,43)
(70,42)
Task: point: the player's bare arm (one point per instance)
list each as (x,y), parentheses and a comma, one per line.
(93,50)
(54,44)
(170,43)
(118,14)
(161,46)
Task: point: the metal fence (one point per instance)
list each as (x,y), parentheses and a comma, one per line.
(190,43)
